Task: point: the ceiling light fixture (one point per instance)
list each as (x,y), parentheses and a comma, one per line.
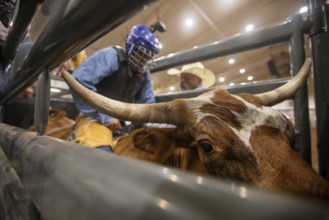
(189,22)
(55,90)
(303,9)
(249,27)
(221,79)
(231,61)
(250,78)
(242,70)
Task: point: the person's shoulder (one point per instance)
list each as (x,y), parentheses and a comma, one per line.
(105,53)
(108,50)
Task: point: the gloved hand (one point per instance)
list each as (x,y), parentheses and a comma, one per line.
(115,125)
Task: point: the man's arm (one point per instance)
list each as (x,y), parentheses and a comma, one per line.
(90,73)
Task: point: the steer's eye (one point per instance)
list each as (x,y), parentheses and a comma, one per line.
(206,147)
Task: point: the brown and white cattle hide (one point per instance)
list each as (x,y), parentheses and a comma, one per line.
(59,126)
(144,144)
(238,138)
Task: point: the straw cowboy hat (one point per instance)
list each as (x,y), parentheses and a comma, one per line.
(197,69)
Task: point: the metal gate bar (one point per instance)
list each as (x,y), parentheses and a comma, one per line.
(319,34)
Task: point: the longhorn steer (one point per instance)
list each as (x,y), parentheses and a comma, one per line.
(237,137)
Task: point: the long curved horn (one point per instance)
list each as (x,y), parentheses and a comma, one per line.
(287,90)
(154,113)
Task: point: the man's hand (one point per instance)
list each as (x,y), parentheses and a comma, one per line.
(115,125)
(63,67)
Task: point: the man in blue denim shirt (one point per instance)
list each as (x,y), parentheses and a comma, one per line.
(120,74)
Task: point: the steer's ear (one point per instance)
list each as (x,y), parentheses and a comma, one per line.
(156,141)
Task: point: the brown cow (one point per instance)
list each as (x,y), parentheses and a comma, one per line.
(237,137)
(59,126)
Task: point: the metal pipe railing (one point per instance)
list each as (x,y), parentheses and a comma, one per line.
(318,12)
(253,88)
(25,10)
(69,181)
(301,111)
(14,199)
(242,42)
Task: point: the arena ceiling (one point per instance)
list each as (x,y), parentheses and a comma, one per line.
(213,20)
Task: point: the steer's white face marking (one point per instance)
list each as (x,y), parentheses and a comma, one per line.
(250,119)
(254,117)
(196,104)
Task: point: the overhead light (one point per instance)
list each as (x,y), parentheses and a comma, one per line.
(231,84)
(55,90)
(250,78)
(172,88)
(242,70)
(231,61)
(189,22)
(249,27)
(221,79)
(303,9)
(227,3)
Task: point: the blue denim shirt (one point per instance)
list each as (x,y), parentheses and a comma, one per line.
(101,64)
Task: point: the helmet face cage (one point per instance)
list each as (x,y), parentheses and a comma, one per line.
(139,57)
(142,45)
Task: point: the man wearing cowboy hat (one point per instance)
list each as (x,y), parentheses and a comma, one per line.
(194,76)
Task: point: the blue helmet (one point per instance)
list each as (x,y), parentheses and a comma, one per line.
(142,45)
